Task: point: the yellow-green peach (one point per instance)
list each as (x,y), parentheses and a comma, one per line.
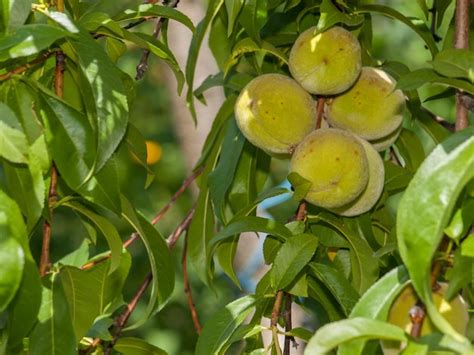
(367,199)
(455,312)
(335,163)
(326,63)
(372,108)
(275,113)
(383,143)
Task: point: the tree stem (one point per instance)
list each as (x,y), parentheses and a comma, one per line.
(461,41)
(187,289)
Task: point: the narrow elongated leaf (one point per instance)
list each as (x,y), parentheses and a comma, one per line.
(427,204)
(103,188)
(11,254)
(364,265)
(334,334)
(292,257)
(417,78)
(248,45)
(23,309)
(375,303)
(222,176)
(337,284)
(212,10)
(70,139)
(462,220)
(13,144)
(146,10)
(331,15)
(233,8)
(13,13)
(108,230)
(254,16)
(421,30)
(159,256)
(53,334)
(28,40)
(136,346)
(105,95)
(220,327)
(89,292)
(455,63)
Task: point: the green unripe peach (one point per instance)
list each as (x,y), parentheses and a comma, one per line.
(335,163)
(383,143)
(455,312)
(372,108)
(275,113)
(327,63)
(367,199)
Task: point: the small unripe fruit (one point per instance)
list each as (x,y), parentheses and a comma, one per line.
(383,143)
(335,163)
(327,63)
(367,199)
(455,312)
(275,113)
(372,108)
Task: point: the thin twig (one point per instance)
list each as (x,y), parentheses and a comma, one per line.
(183,226)
(434,18)
(461,41)
(142,66)
(45,261)
(274,319)
(26,66)
(320,111)
(288,326)
(187,289)
(123,318)
(174,237)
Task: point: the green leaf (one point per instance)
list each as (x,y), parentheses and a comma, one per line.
(250,224)
(53,334)
(459,275)
(364,265)
(272,192)
(300,185)
(248,45)
(136,346)
(225,255)
(337,284)
(13,144)
(334,334)
(160,50)
(90,292)
(103,188)
(417,78)
(233,8)
(12,256)
(161,261)
(212,10)
(461,221)
(427,204)
(455,63)
(104,95)
(147,10)
(375,304)
(253,17)
(292,257)
(411,149)
(13,13)
(387,11)
(330,15)
(108,230)
(220,327)
(70,139)
(423,7)
(29,40)
(467,246)
(222,176)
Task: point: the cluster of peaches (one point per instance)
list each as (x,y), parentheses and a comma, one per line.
(362,115)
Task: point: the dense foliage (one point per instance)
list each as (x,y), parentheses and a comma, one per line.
(65,119)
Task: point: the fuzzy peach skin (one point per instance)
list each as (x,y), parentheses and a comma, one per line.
(369,197)
(275,113)
(327,63)
(335,163)
(372,108)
